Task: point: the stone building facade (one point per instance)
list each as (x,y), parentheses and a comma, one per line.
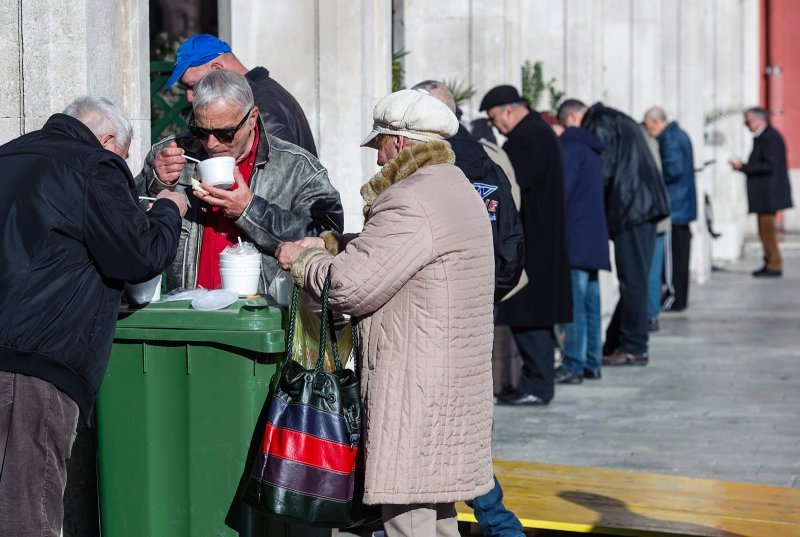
(697,58)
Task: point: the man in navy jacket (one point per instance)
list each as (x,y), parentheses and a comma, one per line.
(636,199)
(677,161)
(73,233)
(587,238)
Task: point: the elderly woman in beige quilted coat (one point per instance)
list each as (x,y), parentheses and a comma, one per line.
(419,278)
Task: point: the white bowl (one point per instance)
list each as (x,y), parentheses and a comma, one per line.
(217,171)
(240,270)
(240,263)
(239,282)
(144,292)
(240,256)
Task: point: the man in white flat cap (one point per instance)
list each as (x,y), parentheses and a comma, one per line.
(420,280)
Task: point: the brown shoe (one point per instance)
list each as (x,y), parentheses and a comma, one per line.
(626,358)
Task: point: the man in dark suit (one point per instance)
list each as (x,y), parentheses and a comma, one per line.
(768,188)
(546,300)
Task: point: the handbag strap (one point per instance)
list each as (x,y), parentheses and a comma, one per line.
(292,320)
(327,330)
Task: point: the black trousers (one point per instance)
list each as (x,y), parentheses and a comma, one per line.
(537,348)
(681,251)
(633,252)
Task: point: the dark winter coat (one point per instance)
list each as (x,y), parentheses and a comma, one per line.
(495,190)
(72,234)
(677,163)
(535,153)
(635,190)
(768,188)
(281,113)
(587,234)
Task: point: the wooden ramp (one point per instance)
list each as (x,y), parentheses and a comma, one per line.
(616,502)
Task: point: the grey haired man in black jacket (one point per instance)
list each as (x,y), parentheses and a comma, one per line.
(768,187)
(72,235)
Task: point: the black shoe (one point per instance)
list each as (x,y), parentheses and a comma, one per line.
(626,358)
(767,273)
(653,325)
(507,393)
(526,399)
(592,374)
(565,376)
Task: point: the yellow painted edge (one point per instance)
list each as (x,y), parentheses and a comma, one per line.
(573,527)
(539,524)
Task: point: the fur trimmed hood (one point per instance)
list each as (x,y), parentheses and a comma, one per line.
(404,165)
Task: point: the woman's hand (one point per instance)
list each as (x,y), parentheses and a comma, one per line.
(287,253)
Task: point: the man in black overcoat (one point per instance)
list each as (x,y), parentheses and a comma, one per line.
(636,198)
(546,300)
(768,188)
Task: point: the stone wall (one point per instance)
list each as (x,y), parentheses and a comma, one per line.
(335,58)
(55,51)
(691,57)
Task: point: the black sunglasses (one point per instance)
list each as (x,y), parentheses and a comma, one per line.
(223,135)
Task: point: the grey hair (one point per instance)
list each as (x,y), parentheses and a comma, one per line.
(222,85)
(439,91)
(102,117)
(568,106)
(758,112)
(656,113)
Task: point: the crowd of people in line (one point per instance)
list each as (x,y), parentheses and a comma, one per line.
(433,270)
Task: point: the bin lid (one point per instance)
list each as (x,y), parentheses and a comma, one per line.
(244,314)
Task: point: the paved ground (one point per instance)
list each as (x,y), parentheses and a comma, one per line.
(720,398)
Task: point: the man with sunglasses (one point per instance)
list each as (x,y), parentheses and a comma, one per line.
(281,113)
(281,192)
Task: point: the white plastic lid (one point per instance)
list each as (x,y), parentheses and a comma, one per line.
(191,294)
(215,300)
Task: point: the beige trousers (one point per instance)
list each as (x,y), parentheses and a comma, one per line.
(429,520)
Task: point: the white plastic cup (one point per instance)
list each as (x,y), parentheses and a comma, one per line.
(242,281)
(228,257)
(246,262)
(217,171)
(139,294)
(241,270)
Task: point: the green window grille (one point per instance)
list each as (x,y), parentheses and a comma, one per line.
(168,109)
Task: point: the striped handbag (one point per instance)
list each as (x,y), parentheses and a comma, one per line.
(305,471)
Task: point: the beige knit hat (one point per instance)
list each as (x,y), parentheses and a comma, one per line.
(413,114)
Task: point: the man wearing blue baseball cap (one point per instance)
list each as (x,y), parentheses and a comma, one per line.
(282,115)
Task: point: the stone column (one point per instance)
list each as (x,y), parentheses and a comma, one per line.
(335,58)
(735,75)
(59,50)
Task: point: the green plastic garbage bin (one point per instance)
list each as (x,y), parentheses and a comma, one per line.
(176,414)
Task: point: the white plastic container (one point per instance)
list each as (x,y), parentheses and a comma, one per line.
(217,171)
(241,261)
(139,294)
(241,280)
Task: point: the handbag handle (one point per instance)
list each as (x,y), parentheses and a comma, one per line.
(327,329)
